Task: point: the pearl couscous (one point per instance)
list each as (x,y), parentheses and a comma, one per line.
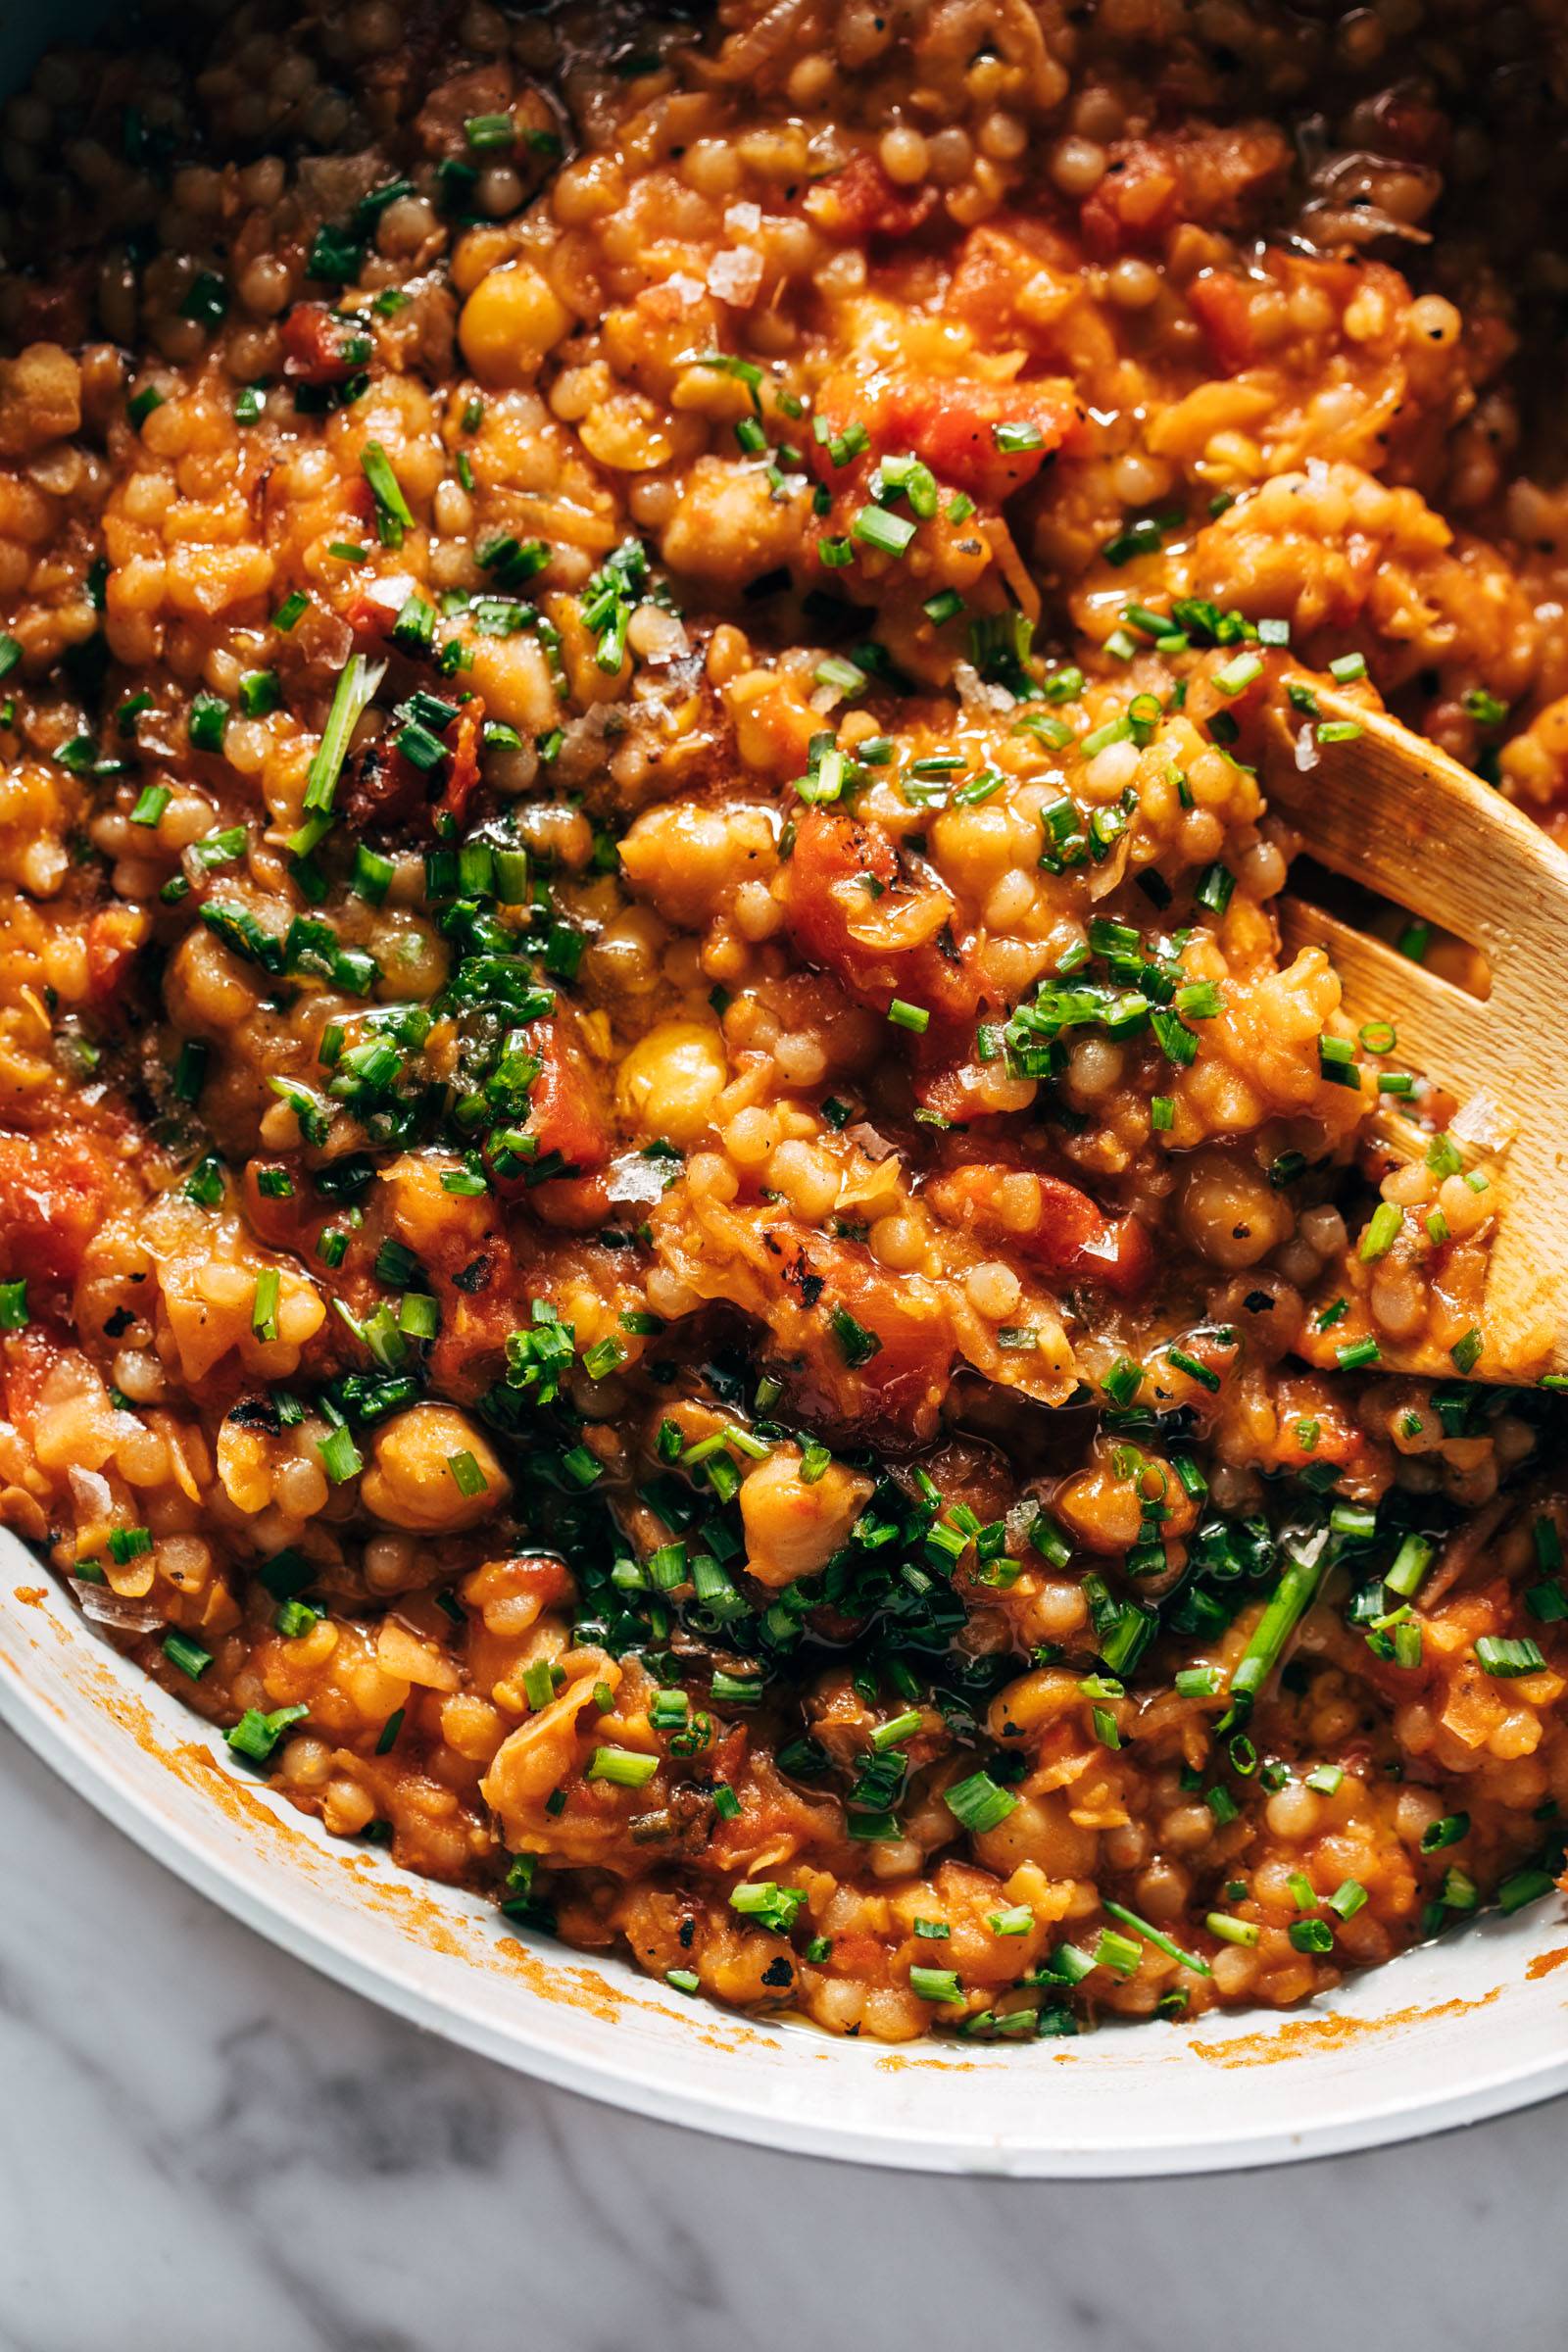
(670,1227)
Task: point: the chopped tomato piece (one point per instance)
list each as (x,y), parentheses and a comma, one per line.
(565,1113)
(1228,306)
(952,1080)
(1224,303)
(388,795)
(1219,176)
(579,1203)
(114,935)
(463,767)
(321,348)
(885,1350)
(563,1110)
(860,201)
(385,792)
(961,427)
(1067,1233)
(542,1577)
(54,1192)
(1311,1424)
(28,1357)
(1137,201)
(849,908)
(1003,269)
(1122,1257)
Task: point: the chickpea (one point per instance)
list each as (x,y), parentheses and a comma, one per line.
(1465,1210)
(514,677)
(510,321)
(670,1080)
(411,1482)
(1038,1829)
(204,986)
(791,1528)
(1103,1510)
(1229,1210)
(624,959)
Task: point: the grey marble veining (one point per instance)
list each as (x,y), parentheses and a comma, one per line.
(204,2144)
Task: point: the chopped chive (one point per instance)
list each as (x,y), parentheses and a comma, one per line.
(900,1728)
(354,694)
(1381,1232)
(938,1984)
(1216,888)
(1524,1887)
(1238,674)
(208,722)
(856,1345)
(978,1803)
(772,1906)
(1508,1659)
(1231,1931)
(1410,1564)
(622,1767)
(1447,1832)
(340,1457)
(1119,1953)
(189,1655)
(1160,1941)
(150,804)
(264,1309)
(393,516)
(486,132)
(190,1070)
(206,301)
(888,534)
(1284,1610)
(466,1475)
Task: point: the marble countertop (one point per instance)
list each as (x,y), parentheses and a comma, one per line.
(204,2143)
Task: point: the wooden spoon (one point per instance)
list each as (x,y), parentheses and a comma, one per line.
(1389,810)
